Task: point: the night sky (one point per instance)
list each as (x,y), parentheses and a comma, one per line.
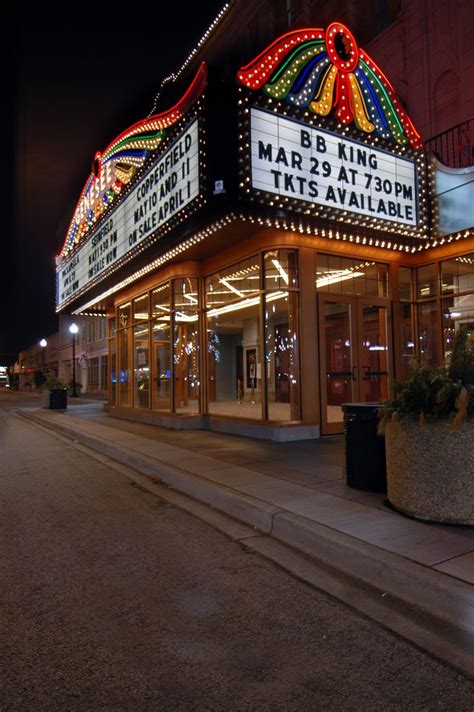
(71,84)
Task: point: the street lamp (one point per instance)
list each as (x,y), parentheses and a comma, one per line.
(43,344)
(74,329)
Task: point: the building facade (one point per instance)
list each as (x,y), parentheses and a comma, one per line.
(56,356)
(275,244)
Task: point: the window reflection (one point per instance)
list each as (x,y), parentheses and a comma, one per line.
(281,335)
(426,281)
(141,358)
(161,347)
(457,312)
(457,275)
(233,348)
(186,345)
(428,333)
(342,275)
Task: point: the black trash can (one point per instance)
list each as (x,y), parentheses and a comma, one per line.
(58,398)
(364,449)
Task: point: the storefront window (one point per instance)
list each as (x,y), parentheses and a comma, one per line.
(407,339)
(186,345)
(93,374)
(141,358)
(103,373)
(123,374)
(342,275)
(428,333)
(233,346)
(140,309)
(161,346)
(426,281)
(113,363)
(407,331)
(124,315)
(281,335)
(405,284)
(457,312)
(457,275)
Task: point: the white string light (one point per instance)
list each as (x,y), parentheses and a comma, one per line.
(174,76)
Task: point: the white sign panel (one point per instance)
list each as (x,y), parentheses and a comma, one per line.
(171,183)
(290,158)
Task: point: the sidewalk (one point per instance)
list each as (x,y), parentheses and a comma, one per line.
(295,494)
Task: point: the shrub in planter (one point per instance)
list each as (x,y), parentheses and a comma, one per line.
(54,392)
(429,439)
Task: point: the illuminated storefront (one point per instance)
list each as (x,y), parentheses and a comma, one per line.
(255,282)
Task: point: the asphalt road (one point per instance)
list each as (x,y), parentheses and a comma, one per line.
(111,599)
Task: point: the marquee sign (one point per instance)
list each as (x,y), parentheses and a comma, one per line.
(169,186)
(291,158)
(117,166)
(325,72)
(323,133)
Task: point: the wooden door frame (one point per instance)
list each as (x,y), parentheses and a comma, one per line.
(322,297)
(356,302)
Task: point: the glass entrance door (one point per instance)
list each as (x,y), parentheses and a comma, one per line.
(354,354)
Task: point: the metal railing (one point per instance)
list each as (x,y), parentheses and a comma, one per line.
(455,146)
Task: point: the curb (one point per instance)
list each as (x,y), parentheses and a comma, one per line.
(443,597)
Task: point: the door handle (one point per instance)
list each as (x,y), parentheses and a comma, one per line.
(338,374)
(354,377)
(369,373)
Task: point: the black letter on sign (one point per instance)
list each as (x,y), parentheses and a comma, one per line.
(305,139)
(265,151)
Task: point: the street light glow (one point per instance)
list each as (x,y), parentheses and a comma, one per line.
(43,343)
(74,328)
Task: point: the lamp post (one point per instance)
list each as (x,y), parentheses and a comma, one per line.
(43,344)
(74,329)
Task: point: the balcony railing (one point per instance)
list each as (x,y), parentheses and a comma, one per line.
(454,147)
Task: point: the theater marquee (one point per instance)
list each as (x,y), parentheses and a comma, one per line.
(290,158)
(170,185)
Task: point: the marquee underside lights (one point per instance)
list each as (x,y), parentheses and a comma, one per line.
(299,226)
(117,166)
(327,73)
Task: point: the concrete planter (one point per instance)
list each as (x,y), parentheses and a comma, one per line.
(430,470)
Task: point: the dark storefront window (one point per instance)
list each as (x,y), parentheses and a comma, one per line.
(123,374)
(103,373)
(112,362)
(405,284)
(428,333)
(93,374)
(426,282)
(407,325)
